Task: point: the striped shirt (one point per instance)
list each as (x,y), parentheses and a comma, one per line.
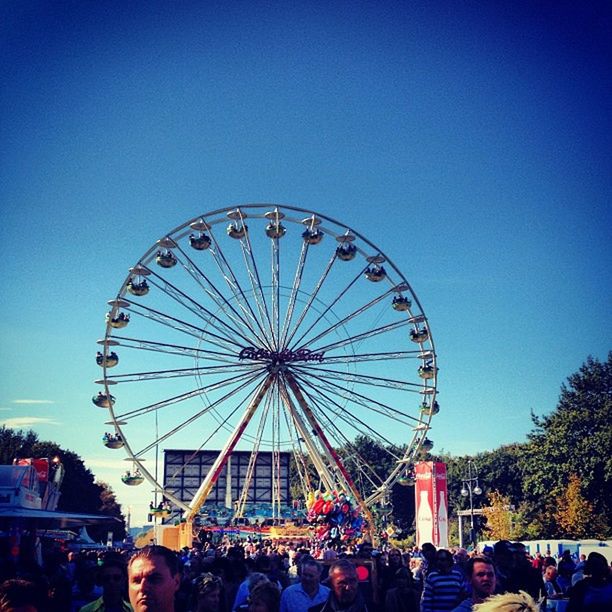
(442,592)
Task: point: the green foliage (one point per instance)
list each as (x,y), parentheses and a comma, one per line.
(79,491)
(575,438)
(404,544)
(504,521)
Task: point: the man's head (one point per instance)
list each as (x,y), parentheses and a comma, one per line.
(265,597)
(365,550)
(550,573)
(310,574)
(428,550)
(344,581)
(208,595)
(596,566)
(113,576)
(503,553)
(444,561)
(481,574)
(153,579)
(394,556)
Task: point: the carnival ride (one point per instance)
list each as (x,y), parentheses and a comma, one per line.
(269,327)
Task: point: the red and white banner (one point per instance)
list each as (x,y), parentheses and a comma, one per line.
(431,504)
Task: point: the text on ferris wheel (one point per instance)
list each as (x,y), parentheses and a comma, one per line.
(250,352)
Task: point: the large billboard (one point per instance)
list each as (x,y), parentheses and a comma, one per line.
(431,504)
(184,471)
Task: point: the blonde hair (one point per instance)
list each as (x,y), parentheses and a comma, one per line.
(508,602)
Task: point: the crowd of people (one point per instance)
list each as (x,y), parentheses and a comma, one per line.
(271,576)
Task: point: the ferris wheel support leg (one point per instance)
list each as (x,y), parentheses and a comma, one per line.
(331,454)
(215,471)
(322,469)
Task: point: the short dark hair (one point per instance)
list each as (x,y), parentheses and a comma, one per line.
(155,550)
(469,566)
(342,564)
(428,546)
(312,562)
(113,559)
(443,552)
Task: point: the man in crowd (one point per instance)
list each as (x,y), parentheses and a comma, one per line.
(443,588)
(345,593)
(153,579)
(113,575)
(481,576)
(514,572)
(308,591)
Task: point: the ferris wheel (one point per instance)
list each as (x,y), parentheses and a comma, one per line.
(268,328)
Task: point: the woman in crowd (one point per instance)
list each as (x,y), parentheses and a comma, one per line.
(265,597)
(209,593)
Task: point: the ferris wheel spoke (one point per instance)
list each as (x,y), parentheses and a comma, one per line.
(211,290)
(349,317)
(276,292)
(195,307)
(352,455)
(236,289)
(357,338)
(298,455)
(244,493)
(295,289)
(164,319)
(321,400)
(365,379)
(197,416)
(371,357)
(329,307)
(313,295)
(367,402)
(179,373)
(173,349)
(187,395)
(332,456)
(256,285)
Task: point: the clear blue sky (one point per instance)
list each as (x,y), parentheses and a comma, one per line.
(471,141)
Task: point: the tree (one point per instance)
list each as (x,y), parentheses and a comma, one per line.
(503,520)
(575,438)
(574,514)
(110,507)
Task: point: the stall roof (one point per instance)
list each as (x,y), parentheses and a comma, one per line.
(56,520)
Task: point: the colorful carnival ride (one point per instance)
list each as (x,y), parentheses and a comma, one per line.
(264,327)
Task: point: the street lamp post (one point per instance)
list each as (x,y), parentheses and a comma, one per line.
(470,488)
